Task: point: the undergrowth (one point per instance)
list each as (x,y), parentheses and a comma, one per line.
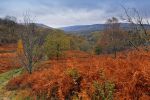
(4,79)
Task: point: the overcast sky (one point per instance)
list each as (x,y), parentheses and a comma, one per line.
(59,13)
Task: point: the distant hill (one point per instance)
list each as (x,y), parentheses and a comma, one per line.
(86,29)
(82,29)
(43,26)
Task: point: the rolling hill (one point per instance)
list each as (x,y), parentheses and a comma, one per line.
(86,29)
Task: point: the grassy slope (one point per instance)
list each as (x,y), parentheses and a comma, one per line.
(4,78)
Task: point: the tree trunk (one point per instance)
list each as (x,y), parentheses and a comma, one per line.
(115,52)
(58,50)
(134,46)
(30,66)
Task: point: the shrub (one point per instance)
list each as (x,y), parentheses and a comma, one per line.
(73,73)
(98,50)
(103,91)
(14,83)
(75,89)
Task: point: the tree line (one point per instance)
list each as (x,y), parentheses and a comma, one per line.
(36,43)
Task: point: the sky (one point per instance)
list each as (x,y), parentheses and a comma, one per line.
(61,13)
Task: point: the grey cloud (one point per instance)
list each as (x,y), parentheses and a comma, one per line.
(69,12)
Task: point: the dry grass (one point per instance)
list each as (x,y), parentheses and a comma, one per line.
(130,72)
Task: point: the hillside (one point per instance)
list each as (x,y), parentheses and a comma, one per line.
(10,30)
(8,58)
(78,72)
(74,50)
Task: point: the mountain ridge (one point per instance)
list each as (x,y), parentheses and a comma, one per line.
(83,29)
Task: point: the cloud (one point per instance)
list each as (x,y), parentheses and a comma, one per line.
(57,13)
(67,17)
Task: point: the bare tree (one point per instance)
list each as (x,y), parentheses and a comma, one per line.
(112,35)
(30,41)
(139,26)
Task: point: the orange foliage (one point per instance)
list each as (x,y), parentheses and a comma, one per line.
(20,47)
(8,47)
(8,57)
(130,72)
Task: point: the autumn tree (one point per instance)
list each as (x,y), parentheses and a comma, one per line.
(113,38)
(80,43)
(56,43)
